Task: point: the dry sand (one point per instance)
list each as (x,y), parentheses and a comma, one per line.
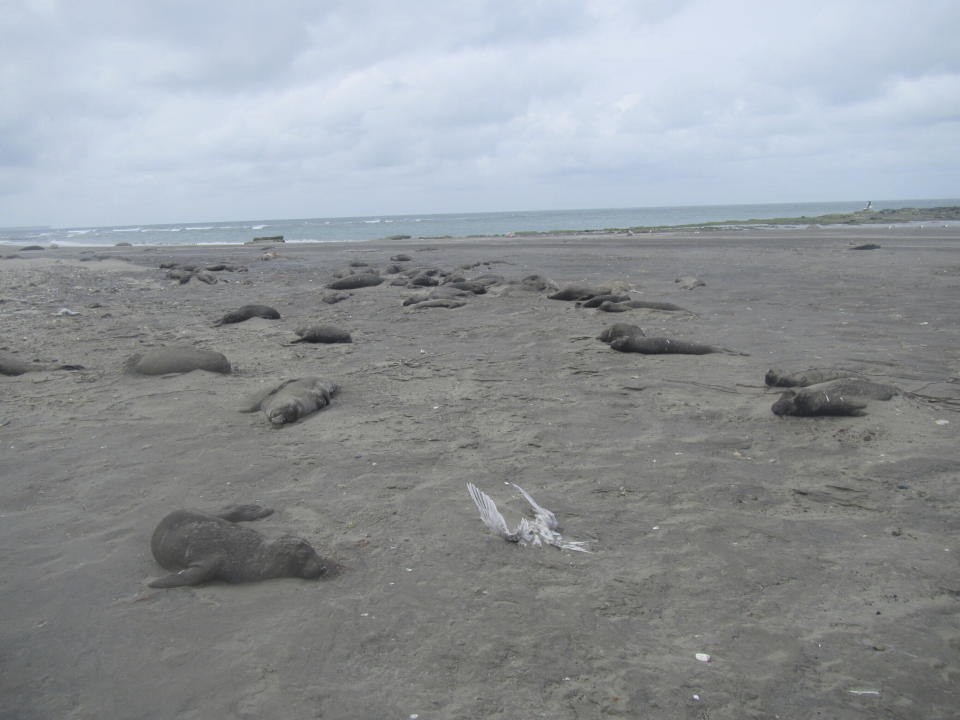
(814,560)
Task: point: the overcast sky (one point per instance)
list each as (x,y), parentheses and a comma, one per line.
(135,111)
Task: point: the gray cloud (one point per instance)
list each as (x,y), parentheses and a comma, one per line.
(175,111)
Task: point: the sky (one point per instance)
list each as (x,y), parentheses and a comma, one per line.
(158,111)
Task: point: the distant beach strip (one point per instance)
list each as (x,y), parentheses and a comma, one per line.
(490,224)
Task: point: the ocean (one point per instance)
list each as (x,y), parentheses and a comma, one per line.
(359,229)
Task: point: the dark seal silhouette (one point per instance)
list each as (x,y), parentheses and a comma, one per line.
(780,378)
(640,304)
(200,547)
(599,300)
(352,282)
(579,292)
(845,397)
(176,360)
(619,330)
(322,334)
(248,311)
(12,365)
(290,400)
(663,346)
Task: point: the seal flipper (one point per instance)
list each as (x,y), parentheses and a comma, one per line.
(193,575)
(239,513)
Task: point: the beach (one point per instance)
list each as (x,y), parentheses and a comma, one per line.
(813,561)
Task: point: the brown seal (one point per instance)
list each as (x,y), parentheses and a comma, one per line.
(662,346)
(846,396)
(322,334)
(248,311)
(203,546)
(359,280)
(177,360)
(802,378)
(291,400)
(619,330)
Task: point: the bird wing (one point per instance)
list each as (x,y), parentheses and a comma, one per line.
(547,517)
(490,515)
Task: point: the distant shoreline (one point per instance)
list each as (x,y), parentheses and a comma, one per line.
(863,217)
(899,216)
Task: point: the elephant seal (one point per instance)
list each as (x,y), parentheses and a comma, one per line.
(537,283)
(844,397)
(689,282)
(438,293)
(439,303)
(359,280)
(599,300)
(11,365)
(163,361)
(469,286)
(662,346)
(322,334)
(619,330)
(246,312)
(201,546)
(812,376)
(293,399)
(579,292)
(644,304)
(334,298)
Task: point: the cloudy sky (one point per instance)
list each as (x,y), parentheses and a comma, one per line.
(136,111)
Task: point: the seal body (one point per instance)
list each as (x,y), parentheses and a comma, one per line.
(803,378)
(657,346)
(294,399)
(806,403)
(248,311)
(598,300)
(201,546)
(579,292)
(352,282)
(177,360)
(322,334)
(846,396)
(619,330)
(638,304)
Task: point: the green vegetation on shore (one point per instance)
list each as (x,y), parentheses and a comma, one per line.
(861,217)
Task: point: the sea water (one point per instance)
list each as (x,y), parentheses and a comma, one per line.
(358,229)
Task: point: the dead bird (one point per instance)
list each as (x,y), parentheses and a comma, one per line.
(542,529)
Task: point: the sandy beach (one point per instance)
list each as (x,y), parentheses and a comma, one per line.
(814,560)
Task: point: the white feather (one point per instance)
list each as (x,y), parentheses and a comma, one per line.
(542,529)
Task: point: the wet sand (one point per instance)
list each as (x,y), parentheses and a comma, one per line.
(815,560)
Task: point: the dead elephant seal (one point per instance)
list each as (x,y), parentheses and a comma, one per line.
(664,346)
(689,282)
(293,399)
(163,361)
(11,365)
(439,303)
(812,376)
(642,304)
(352,282)
(579,292)
(248,311)
(599,300)
(845,397)
(619,330)
(322,334)
(201,546)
